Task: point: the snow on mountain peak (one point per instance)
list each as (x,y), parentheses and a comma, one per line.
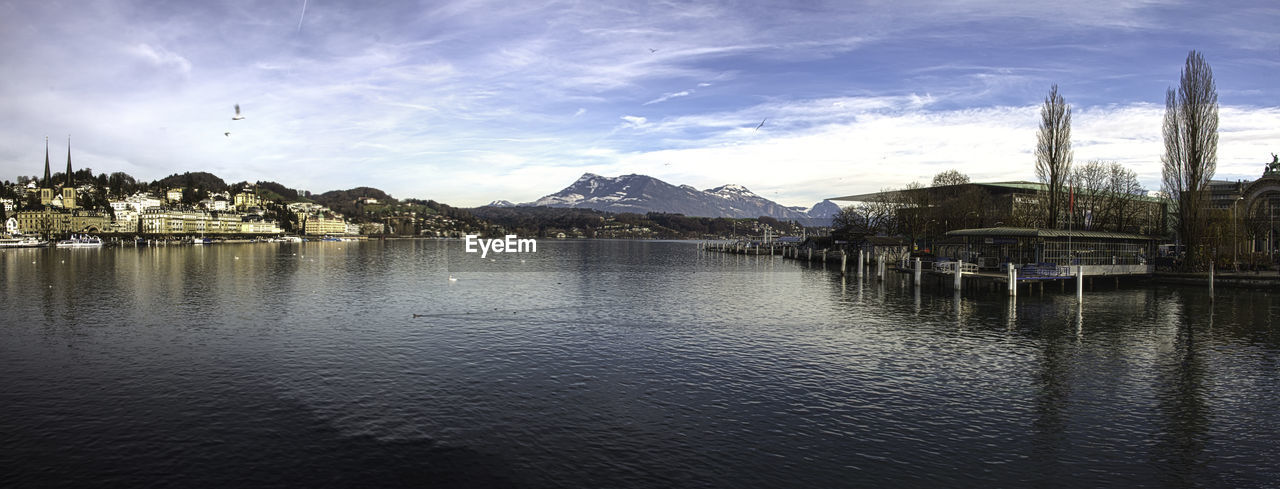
(732,190)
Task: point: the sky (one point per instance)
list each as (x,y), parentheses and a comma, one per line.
(466,102)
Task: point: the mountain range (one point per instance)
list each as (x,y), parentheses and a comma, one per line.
(643,194)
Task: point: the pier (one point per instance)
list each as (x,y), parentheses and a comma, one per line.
(946,275)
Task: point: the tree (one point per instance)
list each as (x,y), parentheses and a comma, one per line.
(949,177)
(849,219)
(1053,150)
(1122,187)
(1191,149)
(1089,182)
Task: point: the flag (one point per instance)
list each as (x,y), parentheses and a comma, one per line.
(1072,205)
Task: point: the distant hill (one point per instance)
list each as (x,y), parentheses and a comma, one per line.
(344,196)
(273,191)
(643,194)
(199,179)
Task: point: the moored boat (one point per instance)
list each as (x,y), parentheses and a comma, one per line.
(23,242)
(80,241)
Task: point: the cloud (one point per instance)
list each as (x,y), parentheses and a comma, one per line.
(466,103)
(162,58)
(669,96)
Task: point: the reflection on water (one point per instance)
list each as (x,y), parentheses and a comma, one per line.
(611,364)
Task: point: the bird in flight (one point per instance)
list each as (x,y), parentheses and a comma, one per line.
(651,50)
(238,116)
(760,126)
(227,134)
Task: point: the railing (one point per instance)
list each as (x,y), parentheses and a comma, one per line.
(1043,270)
(950,267)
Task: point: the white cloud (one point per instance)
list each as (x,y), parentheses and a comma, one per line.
(669,96)
(161,57)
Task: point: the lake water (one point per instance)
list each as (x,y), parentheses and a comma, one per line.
(610,364)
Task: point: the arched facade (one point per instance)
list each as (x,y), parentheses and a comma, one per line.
(1260,217)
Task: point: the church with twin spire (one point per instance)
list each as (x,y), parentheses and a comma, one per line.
(67,199)
(59,212)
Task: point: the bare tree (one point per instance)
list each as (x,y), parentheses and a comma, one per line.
(1191,149)
(1090,183)
(914,211)
(849,219)
(881,213)
(1122,188)
(1053,150)
(949,177)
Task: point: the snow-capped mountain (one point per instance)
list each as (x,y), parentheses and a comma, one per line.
(500,203)
(641,194)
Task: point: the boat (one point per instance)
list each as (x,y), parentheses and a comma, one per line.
(23,242)
(201,241)
(80,241)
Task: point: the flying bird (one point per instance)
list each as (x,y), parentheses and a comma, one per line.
(238,116)
(651,50)
(760,126)
(227,134)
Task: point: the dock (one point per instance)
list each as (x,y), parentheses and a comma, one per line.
(944,275)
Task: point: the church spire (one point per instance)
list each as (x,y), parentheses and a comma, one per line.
(69,183)
(48,181)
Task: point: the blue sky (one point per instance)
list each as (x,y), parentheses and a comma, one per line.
(471,101)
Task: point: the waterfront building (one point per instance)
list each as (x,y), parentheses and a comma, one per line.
(1098,252)
(126,221)
(259,227)
(319,225)
(50,220)
(157,220)
(11,226)
(173,195)
(929,212)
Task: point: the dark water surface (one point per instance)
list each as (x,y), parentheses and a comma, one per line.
(610,364)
